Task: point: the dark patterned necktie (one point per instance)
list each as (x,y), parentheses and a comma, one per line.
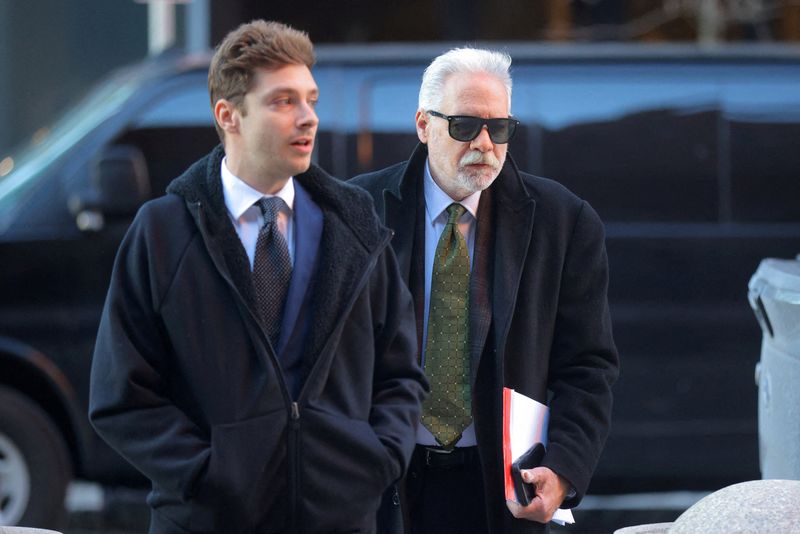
(447,412)
(272,269)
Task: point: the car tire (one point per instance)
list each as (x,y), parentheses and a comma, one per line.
(35,465)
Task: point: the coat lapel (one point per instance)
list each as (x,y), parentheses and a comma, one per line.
(401,204)
(514,210)
(480,290)
(405,209)
(400,213)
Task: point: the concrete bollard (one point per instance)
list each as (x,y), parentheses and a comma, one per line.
(754,506)
(651,528)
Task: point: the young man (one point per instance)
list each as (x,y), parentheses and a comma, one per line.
(256,355)
(509,276)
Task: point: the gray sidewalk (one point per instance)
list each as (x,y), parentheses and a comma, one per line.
(95,510)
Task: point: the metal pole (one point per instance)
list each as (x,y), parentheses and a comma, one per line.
(161,24)
(710,22)
(198,26)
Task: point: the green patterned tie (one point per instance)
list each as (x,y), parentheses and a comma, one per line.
(447,412)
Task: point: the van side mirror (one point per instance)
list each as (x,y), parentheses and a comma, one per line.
(118,185)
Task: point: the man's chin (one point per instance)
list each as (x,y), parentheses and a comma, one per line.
(478,181)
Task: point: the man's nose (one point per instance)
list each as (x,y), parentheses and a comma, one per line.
(307,116)
(483,142)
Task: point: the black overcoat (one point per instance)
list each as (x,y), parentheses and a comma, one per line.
(186,386)
(542,326)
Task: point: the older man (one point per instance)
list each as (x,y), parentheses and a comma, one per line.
(509,277)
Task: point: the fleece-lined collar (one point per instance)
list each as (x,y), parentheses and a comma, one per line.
(347,203)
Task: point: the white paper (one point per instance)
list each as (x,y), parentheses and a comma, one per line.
(523,435)
(563,516)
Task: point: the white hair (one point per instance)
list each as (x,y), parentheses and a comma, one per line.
(460,60)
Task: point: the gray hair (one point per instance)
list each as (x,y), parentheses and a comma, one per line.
(459,60)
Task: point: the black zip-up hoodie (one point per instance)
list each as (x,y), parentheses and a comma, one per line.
(186,386)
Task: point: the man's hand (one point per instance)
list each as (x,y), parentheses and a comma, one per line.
(551,489)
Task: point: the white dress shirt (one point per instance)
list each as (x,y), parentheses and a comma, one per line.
(247,219)
(436,203)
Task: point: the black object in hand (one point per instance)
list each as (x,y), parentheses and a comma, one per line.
(530,459)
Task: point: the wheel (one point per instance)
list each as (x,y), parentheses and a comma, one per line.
(35,465)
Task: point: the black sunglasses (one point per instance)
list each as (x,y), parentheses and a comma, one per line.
(466,128)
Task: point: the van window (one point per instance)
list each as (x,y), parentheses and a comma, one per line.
(765,165)
(185,105)
(651,166)
(35,161)
(174,130)
(639,143)
(169,150)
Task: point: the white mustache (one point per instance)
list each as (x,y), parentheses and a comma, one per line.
(476,157)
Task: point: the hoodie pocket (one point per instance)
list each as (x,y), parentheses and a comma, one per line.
(344,469)
(245,483)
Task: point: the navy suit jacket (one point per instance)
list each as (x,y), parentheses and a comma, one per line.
(296,316)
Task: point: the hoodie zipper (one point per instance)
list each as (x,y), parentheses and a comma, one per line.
(292,454)
(293,459)
(293,406)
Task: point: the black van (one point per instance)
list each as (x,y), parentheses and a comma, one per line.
(690,156)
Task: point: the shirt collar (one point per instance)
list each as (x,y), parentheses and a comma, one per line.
(436,200)
(239,196)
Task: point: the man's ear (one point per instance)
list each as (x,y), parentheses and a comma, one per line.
(226,115)
(421,120)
